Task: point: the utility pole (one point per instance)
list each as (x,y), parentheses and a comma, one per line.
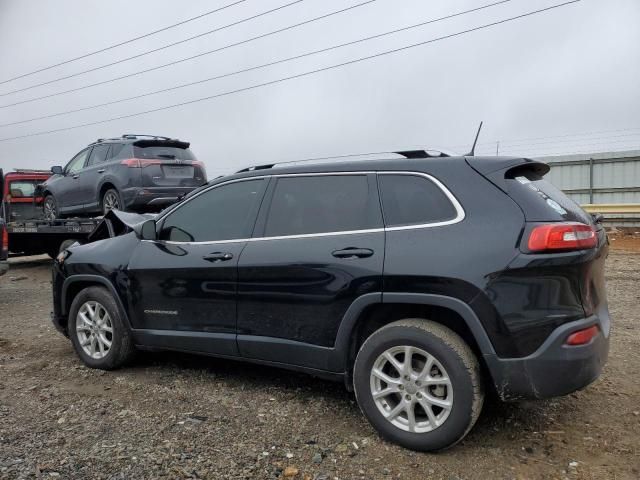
(497,148)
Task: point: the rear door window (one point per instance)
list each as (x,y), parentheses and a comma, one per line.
(98,155)
(409,199)
(321,204)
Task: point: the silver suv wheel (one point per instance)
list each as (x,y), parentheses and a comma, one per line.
(411,389)
(94,329)
(110,201)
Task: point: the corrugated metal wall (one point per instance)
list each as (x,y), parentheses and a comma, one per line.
(612,177)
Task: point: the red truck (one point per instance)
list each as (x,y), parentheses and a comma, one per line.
(26,231)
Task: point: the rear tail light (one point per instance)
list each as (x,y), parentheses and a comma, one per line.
(562,236)
(5,239)
(582,337)
(139,162)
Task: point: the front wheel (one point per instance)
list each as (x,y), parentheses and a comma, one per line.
(97,330)
(50,208)
(419,384)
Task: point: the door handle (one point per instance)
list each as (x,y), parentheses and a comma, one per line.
(101,170)
(218,257)
(76,176)
(352,252)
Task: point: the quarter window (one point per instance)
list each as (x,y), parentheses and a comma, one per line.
(120,151)
(413,200)
(222,213)
(320,204)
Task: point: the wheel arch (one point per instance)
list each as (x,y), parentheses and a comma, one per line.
(76,283)
(107,184)
(372,311)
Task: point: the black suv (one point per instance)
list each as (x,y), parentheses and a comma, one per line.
(419,282)
(134,172)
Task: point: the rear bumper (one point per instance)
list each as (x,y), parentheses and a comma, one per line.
(555,368)
(153,196)
(4,267)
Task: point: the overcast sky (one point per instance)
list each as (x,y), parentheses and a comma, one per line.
(540,84)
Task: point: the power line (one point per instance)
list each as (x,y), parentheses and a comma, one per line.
(181,60)
(300,75)
(110,47)
(264,65)
(579,134)
(244,20)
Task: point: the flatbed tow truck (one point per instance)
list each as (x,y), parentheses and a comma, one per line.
(29,233)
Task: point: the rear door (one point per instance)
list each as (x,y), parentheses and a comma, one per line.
(183,286)
(319,245)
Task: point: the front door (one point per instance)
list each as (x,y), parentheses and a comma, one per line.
(320,246)
(68,192)
(183,285)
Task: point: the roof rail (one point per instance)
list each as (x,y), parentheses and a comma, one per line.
(422,154)
(257,167)
(427,153)
(137,135)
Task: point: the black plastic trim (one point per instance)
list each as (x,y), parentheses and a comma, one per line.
(91,279)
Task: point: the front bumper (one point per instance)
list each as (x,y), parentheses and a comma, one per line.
(4,267)
(555,368)
(153,196)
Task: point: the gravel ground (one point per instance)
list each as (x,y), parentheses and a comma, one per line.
(180,416)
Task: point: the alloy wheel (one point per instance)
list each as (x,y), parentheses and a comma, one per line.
(110,202)
(94,329)
(411,389)
(50,211)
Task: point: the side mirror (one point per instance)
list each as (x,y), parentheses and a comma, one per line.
(148,230)
(57,170)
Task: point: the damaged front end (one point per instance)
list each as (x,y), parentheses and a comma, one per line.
(116,223)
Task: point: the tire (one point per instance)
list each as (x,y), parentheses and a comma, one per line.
(54,251)
(463,396)
(50,208)
(110,199)
(121,349)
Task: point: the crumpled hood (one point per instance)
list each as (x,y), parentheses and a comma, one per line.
(116,222)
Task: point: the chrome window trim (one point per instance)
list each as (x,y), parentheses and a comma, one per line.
(460,213)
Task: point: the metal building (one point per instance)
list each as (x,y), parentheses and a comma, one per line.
(607,182)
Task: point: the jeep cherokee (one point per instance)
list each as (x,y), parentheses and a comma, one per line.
(419,282)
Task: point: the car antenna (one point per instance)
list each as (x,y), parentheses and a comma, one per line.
(473,148)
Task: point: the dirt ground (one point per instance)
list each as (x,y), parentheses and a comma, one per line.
(180,416)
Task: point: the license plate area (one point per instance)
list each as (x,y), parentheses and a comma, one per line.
(177,171)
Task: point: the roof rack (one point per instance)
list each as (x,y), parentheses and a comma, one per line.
(136,135)
(427,153)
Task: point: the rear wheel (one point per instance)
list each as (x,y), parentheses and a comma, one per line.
(419,384)
(111,201)
(50,208)
(97,330)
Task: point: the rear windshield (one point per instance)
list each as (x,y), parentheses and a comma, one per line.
(23,188)
(163,152)
(541,200)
